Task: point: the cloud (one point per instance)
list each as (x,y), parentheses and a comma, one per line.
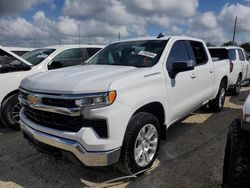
(167,7)
(102,22)
(17,6)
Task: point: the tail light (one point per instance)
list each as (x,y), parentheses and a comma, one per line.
(231,66)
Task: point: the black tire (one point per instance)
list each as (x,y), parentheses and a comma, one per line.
(9,105)
(235,91)
(127,163)
(217,104)
(236,169)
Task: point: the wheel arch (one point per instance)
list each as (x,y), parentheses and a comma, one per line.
(156,108)
(9,94)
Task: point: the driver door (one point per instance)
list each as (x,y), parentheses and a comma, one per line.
(183,89)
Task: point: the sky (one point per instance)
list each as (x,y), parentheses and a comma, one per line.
(37,23)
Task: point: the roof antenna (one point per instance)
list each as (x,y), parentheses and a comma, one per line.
(160,35)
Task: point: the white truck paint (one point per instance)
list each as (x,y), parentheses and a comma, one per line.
(157,81)
(240,66)
(10,80)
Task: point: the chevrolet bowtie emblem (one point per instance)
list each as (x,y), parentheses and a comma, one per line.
(33,99)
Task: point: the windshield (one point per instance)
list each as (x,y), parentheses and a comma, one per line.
(144,53)
(37,56)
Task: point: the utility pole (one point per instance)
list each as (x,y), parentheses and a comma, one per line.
(235,25)
(119,36)
(79,36)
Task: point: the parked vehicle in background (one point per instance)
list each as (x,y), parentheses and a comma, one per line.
(239,65)
(236,170)
(19,50)
(14,68)
(118,105)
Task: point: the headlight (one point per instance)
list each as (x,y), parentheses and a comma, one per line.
(246,118)
(97,100)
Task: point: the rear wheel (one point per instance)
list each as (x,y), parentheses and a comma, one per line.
(236,169)
(141,143)
(10,111)
(217,104)
(236,89)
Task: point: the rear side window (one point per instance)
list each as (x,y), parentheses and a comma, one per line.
(219,53)
(178,53)
(232,54)
(241,55)
(199,52)
(92,51)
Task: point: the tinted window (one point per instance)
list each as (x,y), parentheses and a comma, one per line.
(37,56)
(241,55)
(92,51)
(20,53)
(178,53)
(199,52)
(133,53)
(219,53)
(232,54)
(69,57)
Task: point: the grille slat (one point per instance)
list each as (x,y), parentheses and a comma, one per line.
(64,122)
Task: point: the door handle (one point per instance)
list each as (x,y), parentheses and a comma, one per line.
(193,76)
(211,71)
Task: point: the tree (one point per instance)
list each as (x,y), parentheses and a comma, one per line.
(246,46)
(229,43)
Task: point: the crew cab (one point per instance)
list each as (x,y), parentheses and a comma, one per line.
(14,68)
(117,106)
(239,65)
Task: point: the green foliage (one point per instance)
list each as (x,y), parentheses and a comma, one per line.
(246,46)
(229,43)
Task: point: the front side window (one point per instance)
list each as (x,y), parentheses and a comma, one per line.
(132,53)
(199,52)
(37,56)
(92,51)
(232,54)
(241,55)
(67,58)
(178,53)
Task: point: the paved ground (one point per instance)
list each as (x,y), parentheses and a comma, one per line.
(192,156)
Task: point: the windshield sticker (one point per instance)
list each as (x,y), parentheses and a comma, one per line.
(147,54)
(42,56)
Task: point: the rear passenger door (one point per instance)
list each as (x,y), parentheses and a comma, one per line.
(204,70)
(182,90)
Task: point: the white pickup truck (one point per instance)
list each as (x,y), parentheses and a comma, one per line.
(118,105)
(14,68)
(239,65)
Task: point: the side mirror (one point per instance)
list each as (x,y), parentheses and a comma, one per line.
(181,66)
(55,65)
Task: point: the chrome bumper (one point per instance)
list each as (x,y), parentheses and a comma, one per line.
(87,158)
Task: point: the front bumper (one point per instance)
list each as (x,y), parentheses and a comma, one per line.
(87,158)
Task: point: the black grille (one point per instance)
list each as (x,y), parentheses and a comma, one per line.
(64,122)
(67,103)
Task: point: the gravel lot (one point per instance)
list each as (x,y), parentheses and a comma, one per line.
(192,156)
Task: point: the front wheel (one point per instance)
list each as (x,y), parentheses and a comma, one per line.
(236,169)
(141,143)
(217,104)
(10,111)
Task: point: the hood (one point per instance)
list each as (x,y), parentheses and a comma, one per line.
(77,79)
(15,56)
